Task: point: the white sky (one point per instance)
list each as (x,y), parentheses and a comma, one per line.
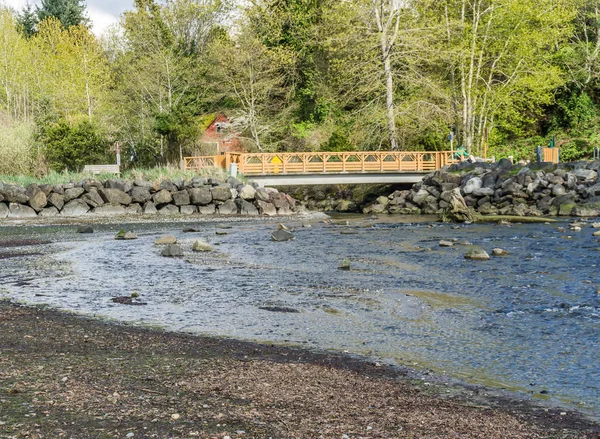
(102,13)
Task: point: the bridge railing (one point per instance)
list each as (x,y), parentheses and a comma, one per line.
(326,162)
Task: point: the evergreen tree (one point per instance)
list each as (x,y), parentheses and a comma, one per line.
(27,21)
(69,12)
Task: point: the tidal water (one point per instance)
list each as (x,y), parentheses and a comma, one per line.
(527,322)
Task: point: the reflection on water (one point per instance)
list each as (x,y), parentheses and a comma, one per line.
(527,321)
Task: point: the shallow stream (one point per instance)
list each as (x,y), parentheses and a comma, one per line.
(527,322)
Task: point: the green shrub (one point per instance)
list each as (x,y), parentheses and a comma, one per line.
(17,155)
(74,146)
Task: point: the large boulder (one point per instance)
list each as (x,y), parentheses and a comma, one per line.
(162,197)
(245,207)
(262,194)
(49,212)
(73,193)
(247,193)
(209,209)
(278,200)
(140,194)
(585,175)
(167,185)
(419,196)
(109,210)
(188,209)
(37,198)
(16,210)
(56,200)
(115,196)
(169,209)
(181,198)
(93,198)
(221,193)
(200,195)
(123,186)
(149,208)
(75,208)
(458,211)
(14,194)
(228,208)
(3,211)
(265,208)
(91,184)
(472,184)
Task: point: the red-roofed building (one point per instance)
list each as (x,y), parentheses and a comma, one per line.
(221,133)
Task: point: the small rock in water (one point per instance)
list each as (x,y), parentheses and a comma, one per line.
(172,251)
(220,232)
(122,234)
(575,229)
(477,255)
(278,309)
(446,244)
(348,232)
(127,300)
(596,233)
(190,230)
(201,246)
(165,240)
(464,243)
(85,229)
(282,235)
(499,252)
(307,226)
(282,226)
(344,265)
(595,225)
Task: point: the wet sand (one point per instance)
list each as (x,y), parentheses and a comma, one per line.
(63,375)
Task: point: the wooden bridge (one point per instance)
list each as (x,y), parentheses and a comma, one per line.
(328,167)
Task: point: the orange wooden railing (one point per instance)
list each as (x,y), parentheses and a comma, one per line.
(327,162)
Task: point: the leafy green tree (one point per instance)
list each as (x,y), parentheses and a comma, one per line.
(73,146)
(68,12)
(27,20)
(250,74)
(498,56)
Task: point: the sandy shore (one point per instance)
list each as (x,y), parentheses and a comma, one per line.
(69,376)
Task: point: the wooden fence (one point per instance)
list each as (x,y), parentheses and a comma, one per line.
(326,162)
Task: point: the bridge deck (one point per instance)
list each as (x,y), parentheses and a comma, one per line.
(264,164)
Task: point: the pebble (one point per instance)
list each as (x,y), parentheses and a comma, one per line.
(129,435)
(446,244)
(175,416)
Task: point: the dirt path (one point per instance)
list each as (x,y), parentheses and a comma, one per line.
(72,377)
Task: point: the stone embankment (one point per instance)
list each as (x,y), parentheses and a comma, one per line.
(566,189)
(117,197)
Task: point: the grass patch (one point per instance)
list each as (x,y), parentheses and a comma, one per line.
(149,174)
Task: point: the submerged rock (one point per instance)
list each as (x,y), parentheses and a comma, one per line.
(165,240)
(499,252)
(85,229)
(201,246)
(282,235)
(123,235)
(477,255)
(172,251)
